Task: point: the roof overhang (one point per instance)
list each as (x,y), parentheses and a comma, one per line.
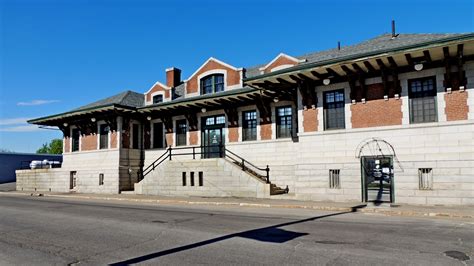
(431,53)
(57,119)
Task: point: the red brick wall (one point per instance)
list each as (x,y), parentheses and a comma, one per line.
(156,88)
(67,144)
(89,142)
(456,105)
(266,131)
(310,120)
(233,134)
(233,77)
(193,138)
(282,60)
(377,113)
(113,139)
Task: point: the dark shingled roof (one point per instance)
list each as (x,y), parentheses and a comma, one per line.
(379,43)
(126,98)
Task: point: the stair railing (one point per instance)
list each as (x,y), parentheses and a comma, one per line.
(221,152)
(246,165)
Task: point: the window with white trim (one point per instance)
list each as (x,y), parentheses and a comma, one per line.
(422,96)
(158,98)
(75,139)
(104,136)
(212,84)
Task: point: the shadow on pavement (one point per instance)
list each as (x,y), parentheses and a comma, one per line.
(272,234)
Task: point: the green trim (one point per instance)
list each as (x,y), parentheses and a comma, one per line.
(356,56)
(76,112)
(210,96)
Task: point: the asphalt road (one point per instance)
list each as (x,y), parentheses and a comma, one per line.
(46,231)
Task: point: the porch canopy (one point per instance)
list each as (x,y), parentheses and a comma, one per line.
(383,56)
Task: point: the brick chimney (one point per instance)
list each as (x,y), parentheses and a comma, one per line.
(173,77)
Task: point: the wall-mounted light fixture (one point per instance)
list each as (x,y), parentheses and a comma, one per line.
(276,99)
(65,124)
(326,81)
(203,110)
(148,118)
(419,66)
(93,119)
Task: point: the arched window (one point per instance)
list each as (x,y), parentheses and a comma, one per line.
(212,83)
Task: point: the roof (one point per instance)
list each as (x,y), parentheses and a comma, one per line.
(123,100)
(126,98)
(380,43)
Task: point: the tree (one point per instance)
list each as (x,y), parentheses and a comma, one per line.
(54,147)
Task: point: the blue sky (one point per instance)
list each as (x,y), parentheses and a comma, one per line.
(58,55)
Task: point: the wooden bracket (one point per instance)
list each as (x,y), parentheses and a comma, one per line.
(192,121)
(232,116)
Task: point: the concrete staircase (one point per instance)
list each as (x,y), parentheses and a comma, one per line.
(215,177)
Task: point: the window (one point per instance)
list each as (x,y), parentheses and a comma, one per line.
(334,115)
(101,179)
(422,96)
(212,83)
(184,179)
(136,136)
(192,179)
(158,139)
(334,181)
(104,136)
(284,121)
(214,120)
(201,179)
(158,98)
(249,129)
(425,178)
(180,132)
(75,139)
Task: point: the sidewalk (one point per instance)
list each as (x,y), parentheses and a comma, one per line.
(464,212)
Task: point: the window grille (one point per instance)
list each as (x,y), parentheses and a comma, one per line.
(422,98)
(249,129)
(158,98)
(425,177)
(334,113)
(212,83)
(284,122)
(334,181)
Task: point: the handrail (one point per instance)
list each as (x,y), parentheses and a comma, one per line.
(244,164)
(223,153)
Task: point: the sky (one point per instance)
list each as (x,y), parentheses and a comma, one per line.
(59,55)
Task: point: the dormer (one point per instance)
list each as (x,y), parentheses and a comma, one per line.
(281,61)
(212,77)
(160,92)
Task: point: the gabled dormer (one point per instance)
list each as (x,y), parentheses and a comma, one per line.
(212,77)
(281,61)
(160,92)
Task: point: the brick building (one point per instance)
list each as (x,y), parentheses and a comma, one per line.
(390,119)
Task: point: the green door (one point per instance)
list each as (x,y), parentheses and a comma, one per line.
(213,136)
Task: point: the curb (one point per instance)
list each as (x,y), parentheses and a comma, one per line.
(369,210)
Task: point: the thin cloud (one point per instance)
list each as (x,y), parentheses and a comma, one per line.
(37,102)
(13,121)
(26,128)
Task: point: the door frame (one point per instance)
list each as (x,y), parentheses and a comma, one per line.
(205,128)
(364,189)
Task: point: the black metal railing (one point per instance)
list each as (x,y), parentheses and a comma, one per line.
(210,151)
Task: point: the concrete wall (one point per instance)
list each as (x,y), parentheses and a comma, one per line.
(221,179)
(9,162)
(51,180)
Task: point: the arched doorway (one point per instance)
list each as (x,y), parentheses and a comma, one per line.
(377,159)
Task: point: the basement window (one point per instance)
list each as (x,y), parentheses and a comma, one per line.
(184,179)
(334,181)
(201,179)
(101,179)
(192,179)
(425,178)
